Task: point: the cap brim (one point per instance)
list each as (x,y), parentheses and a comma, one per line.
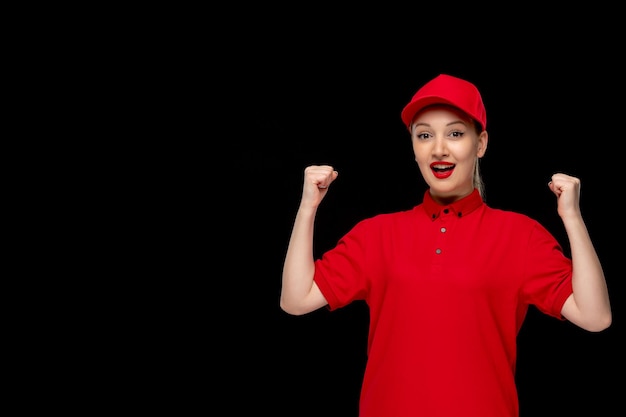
(411,110)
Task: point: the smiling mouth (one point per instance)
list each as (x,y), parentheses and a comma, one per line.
(442,168)
(442,171)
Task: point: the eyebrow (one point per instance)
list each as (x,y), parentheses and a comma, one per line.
(448,124)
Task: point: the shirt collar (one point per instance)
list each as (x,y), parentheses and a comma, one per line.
(460,207)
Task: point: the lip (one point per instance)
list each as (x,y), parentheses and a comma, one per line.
(442,169)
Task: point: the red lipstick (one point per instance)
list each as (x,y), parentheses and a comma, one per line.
(442,169)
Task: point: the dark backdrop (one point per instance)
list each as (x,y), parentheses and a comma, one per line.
(227,109)
(340,104)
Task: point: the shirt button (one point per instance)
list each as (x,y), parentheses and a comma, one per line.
(438,251)
(446,211)
(443,230)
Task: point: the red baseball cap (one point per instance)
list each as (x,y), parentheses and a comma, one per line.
(446,89)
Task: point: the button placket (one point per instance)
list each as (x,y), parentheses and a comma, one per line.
(442,231)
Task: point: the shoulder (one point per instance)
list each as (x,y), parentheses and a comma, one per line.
(510,215)
(393,217)
(512,221)
(388,221)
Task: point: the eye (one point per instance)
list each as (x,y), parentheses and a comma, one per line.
(457,134)
(423,135)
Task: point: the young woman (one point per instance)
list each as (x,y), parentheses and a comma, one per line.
(447,283)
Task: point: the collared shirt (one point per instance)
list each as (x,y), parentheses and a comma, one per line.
(448,288)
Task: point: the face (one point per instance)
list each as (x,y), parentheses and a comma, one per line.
(446,148)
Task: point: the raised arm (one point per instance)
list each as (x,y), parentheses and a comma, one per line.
(589,306)
(299,293)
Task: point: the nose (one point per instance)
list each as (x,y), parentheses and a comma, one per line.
(439,147)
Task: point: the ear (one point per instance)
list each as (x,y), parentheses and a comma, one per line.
(483,139)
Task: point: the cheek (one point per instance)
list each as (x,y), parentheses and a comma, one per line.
(421,158)
(423,162)
(419,152)
(462,152)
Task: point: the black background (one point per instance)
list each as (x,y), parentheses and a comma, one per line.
(331,93)
(341,106)
(199,124)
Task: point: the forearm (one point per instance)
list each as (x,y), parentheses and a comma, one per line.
(299,268)
(591,307)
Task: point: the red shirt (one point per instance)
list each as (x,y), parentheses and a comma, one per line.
(448,288)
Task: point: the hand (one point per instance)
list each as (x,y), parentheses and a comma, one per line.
(567,191)
(317,179)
